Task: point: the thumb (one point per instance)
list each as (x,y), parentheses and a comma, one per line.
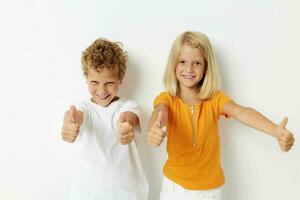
(159,118)
(283,122)
(122,117)
(72,113)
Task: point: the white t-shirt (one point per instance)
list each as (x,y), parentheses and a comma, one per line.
(106,169)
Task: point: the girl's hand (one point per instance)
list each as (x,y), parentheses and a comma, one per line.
(284,137)
(156,134)
(125,130)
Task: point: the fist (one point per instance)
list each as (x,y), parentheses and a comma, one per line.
(125,130)
(72,122)
(284,137)
(156,134)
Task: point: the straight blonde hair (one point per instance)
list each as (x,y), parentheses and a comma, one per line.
(210,83)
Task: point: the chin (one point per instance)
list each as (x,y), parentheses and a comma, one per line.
(106,103)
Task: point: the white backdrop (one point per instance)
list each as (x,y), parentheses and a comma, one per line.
(258,48)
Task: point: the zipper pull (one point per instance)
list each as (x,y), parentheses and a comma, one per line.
(193,127)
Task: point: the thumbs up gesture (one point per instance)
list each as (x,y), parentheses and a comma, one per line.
(72,122)
(125,130)
(156,134)
(284,137)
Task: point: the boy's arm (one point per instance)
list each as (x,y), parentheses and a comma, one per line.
(126,123)
(131,118)
(73,119)
(254,119)
(157,123)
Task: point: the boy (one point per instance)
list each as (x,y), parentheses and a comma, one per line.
(108,166)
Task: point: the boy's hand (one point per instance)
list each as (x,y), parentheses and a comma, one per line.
(156,134)
(72,122)
(284,137)
(125,130)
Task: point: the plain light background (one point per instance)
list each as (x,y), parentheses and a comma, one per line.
(258,49)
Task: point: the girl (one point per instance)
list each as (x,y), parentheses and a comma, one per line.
(188,114)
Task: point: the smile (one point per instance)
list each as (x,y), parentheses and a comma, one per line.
(103,97)
(188,76)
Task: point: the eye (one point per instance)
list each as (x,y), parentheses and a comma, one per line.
(198,63)
(94,82)
(181,61)
(110,83)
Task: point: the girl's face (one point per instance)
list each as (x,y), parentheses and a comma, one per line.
(190,68)
(103,86)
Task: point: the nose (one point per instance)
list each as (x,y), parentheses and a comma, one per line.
(101,88)
(189,67)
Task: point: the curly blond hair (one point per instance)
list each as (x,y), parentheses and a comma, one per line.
(104,54)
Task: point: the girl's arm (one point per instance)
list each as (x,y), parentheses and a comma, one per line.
(164,115)
(158,121)
(254,119)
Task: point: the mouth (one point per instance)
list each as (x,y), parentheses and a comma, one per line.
(189,77)
(103,97)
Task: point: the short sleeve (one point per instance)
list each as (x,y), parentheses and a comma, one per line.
(164,98)
(219,101)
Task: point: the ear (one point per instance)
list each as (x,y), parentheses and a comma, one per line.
(121,81)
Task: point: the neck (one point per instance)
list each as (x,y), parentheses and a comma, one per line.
(189,96)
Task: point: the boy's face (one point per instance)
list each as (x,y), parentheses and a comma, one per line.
(103,85)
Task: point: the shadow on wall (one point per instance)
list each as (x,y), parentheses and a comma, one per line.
(151,157)
(129,86)
(226,137)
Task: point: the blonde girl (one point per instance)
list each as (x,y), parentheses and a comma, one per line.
(188,114)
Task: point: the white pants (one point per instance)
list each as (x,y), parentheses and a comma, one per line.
(173,191)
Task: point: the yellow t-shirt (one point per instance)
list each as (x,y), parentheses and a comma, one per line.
(193,143)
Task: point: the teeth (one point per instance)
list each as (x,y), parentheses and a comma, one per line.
(103,96)
(188,76)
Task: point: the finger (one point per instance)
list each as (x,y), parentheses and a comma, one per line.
(126,136)
(159,118)
(286,143)
(158,131)
(286,149)
(289,146)
(125,128)
(69,132)
(125,140)
(156,137)
(286,136)
(283,122)
(68,138)
(153,142)
(72,113)
(122,117)
(71,127)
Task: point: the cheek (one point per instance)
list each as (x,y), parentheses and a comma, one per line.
(177,71)
(179,68)
(200,70)
(91,89)
(114,89)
